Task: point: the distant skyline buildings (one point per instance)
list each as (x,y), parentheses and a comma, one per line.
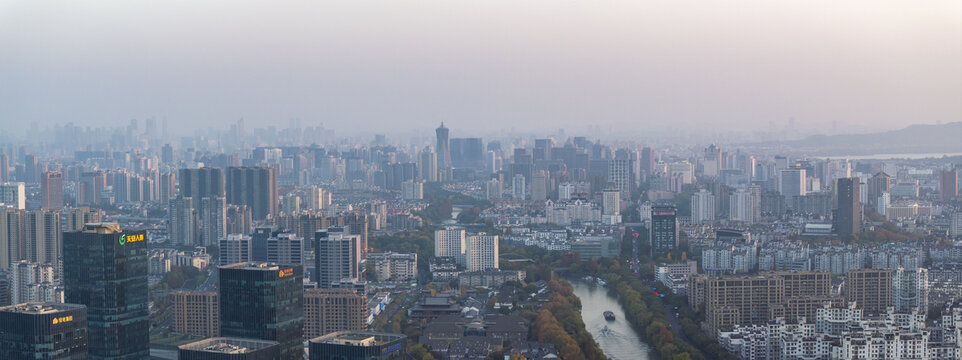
(444,153)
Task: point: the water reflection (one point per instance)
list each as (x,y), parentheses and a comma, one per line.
(620,341)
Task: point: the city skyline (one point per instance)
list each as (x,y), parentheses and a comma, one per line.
(392,66)
(438,180)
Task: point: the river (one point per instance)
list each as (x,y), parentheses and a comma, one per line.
(621,342)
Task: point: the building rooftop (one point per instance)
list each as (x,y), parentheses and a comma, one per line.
(252,266)
(102,228)
(357,338)
(226,345)
(40,308)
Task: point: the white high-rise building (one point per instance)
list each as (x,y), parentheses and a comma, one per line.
(28,280)
(493,189)
(394,266)
(883,202)
(180,221)
(286,249)
(565,190)
(13,194)
(338,258)
(491,162)
(743,205)
(412,190)
(791,183)
(910,290)
(481,252)
(235,248)
(702,207)
(611,202)
(619,173)
(214,219)
(517,187)
(450,242)
(318,198)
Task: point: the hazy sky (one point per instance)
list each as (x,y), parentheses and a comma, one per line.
(397,64)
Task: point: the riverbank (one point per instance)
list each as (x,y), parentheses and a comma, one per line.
(621,341)
(646,312)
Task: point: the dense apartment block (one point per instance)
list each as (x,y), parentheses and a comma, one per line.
(195,313)
(330,310)
(869,289)
(741,300)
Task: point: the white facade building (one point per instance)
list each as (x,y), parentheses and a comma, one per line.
(702,207)
(481,252)
(450,242)
(13,194)
(412,190)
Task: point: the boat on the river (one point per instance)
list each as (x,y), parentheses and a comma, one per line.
(606,330)
(609,315)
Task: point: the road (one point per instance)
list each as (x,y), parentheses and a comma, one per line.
(211,283)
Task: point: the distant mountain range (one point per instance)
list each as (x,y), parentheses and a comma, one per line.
(944,138)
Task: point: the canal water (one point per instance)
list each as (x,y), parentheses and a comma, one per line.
(621,342)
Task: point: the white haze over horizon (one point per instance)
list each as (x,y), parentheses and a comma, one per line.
(403,65)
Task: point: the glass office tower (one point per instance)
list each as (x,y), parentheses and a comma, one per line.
(105,268)
(43,331)
(263,301)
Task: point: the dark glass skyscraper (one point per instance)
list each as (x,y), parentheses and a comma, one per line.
(255,187)
(201,183)
(43,331)
(848,213)
(105,268)
(663,231)
(444,154)
(949,184)
(263,301)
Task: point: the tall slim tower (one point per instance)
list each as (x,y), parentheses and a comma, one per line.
(51,188)
(90,187)
(105,268)
(663,231)
(702,207)
(949,184)
(444,154)
(181,225)
(213,212)
(42,236)
(848,209)
(878,184)
(4,168)
(12,247)
(428,165)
